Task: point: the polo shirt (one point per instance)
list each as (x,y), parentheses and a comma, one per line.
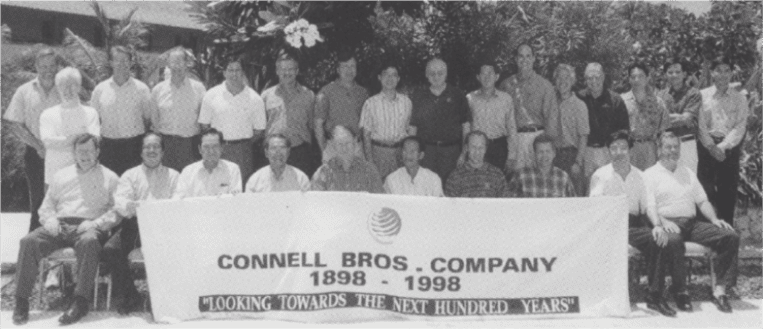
(439,118)
(574,120)
(424,183)
(486,181)
(58,127)
(607,114)
(237,116)
(176,108)
(387,120)
(535,101)
(723,115)
(493,115)
(196,181)
(290,115)
(606,182)
(361,176)
(676,193)
(124,110)
(141,183)
(340,105)
(264,180)
(28,103)
(648,118)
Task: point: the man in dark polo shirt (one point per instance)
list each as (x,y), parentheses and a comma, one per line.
(441,116)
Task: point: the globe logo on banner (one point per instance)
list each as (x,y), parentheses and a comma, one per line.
(384,225)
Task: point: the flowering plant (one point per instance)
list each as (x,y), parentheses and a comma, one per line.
(301,32)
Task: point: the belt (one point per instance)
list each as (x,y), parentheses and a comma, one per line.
(237,141)
(595,145)
(686,138)
(644,139)
(443,143)
(386,144)
(530,129)
(498,139)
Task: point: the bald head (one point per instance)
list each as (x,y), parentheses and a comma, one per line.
(436,73)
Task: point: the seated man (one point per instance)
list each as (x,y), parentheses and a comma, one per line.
(76,212)
(476,177)
(543,180)
(412,179)
(148,181)
(345,169)
(622,178)
(210,176)
(278,176)
(677,194)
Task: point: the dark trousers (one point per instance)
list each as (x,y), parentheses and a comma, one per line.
(641,237)
(719,180)
(40,243)
(441,160)
(34,166)
(304,157)
(564,160)
(496,153)
(115,253)
(724,242)
(120,155)
(180,151)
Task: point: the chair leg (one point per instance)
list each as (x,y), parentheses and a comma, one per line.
(108,292)
(689,270)
(712,271)
(40,272)
(95,288)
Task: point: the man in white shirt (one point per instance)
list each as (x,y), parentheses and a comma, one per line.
(77,212)
(210,176)
(278,176)
(412,179)
(645,227)
(148,181)
(677,194)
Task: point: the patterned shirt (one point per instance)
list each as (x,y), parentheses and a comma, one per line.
(339,105)
(28,103)
(58,127)
(574,120)
(264,180)
(290,114)
(141,183)
(88,195)
(425,183)
(237,116)
(685,100)
(124,110)
(677,193)
(535,102)
(723,116)
(531,182)
(486,181)
(362,176)
(647,118)
(386,120)
(607,114)
(176,109)
(493,115)
(196,180)
(439,117)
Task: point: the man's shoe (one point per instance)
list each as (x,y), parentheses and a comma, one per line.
(656,303)
(683,302)
(129,303)
(78,309)
(21,311)
(722,303)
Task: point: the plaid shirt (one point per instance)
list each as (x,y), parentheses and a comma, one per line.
(531,182)
(487,181)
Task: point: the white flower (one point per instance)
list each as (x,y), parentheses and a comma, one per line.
(309,41)
(294,41)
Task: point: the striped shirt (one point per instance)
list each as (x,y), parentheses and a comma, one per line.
(290,114)
(176,109)
(535,102)
(646,118)
(386,120)
(723,116)
(28,103)
(487,181)
(124,109)
(494,115)
(237,116)
(531,182)
(574,119)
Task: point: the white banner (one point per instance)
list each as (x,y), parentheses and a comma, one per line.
(346,257)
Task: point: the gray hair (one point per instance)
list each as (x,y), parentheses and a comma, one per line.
(67,75)
(594,67)
(564,68)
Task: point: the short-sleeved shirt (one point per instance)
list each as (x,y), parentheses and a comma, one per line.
(439,118)
(685,100)
(535,102)
(28,103)
(340,105)
(607,114)
(237,116)
(141,183)
(493,115)
(677,193)
(361,176)
(530,182)
(386,120)
(57,126)
(487,181)
(124,110)
(264,180)
(424,183)
(176,109)
(647,118)
(196,181)
(606,182)
(290,115)
(574,120)
(724,116)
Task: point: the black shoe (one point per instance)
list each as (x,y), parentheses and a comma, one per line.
(722,303)
(78,309)
(21,312)
(129,304)
(683,302)
(656,303)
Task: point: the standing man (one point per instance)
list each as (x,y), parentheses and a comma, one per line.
(347,170)
(493,112)
(647,116)
(146,182)
(574,123)
(542,180)
(289,108)
(76,213)
(535,105)
(721,124)
(238,112)
(441,116)
(475,177)
(340,102)
(210,176)
(412,179)
(124,106)
(278,175)
(176,110)
(23,114)
(683,104)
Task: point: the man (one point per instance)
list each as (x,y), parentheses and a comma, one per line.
(23,114)
(535,105)
(678,193)
(347,170)
(721,126)
(340,102)
(441,116)
(543,180)
(211,176)
(475,177)
(176,109)
(124,106)
(607,114)
(412,179)
(76,213)
(146,182)
(683,104)
(574,124)
(278,176)
(289,108)
(238,112)
(621,178)
(647,116)
(493,113)
(385,122)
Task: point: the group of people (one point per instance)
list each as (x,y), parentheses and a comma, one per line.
(523,138)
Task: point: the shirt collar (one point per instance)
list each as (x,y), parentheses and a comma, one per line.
(114,83)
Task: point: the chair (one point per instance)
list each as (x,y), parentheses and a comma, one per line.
(693,251)
(135,259)
(68,256)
